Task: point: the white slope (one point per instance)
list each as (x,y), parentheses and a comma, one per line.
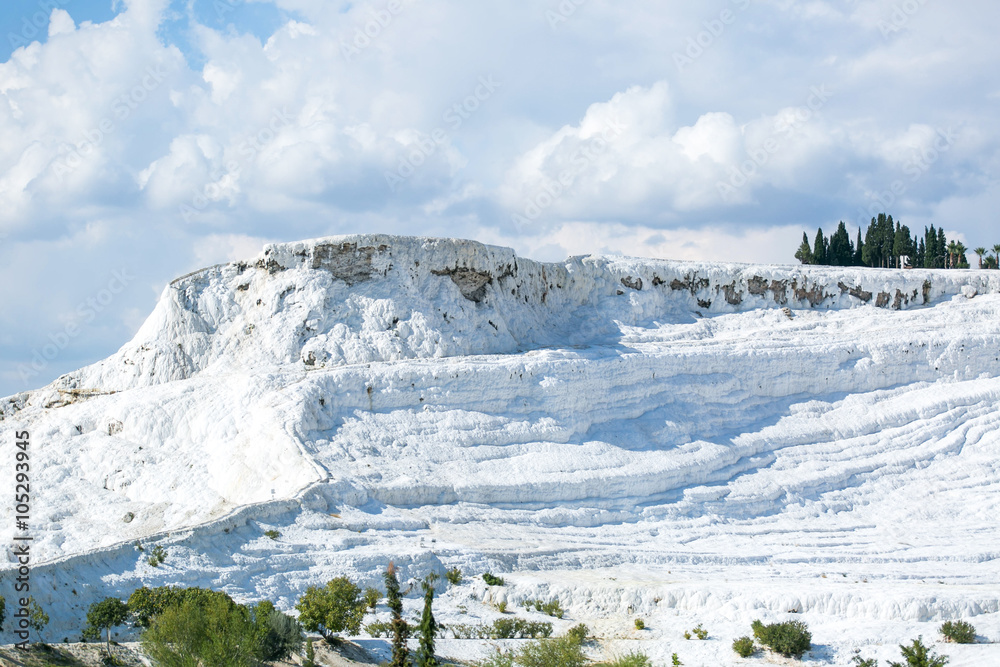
(714,441)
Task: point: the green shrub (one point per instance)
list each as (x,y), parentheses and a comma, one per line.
(280,634)
(744,647)
(675,661)
(640,624)
(501,606)
(213,631)
(492,580)
(918,655)
(146,603)
(159,555)
(560,652)
(858,661)
(578,633)
(959,632)
(632,659)
(378,629)
(310,660)
(454,576)
(518,628)
(273,534)
(371,597)
(700,632)
(336,607)
(552,608)
(790,639)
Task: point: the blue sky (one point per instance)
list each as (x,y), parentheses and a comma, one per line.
(150,137)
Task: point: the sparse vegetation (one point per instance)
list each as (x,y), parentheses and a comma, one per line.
(640,624)
(492,580)
(790,639)
(273,534)
(960,632)
(310,660)
(675,661)
(631,659)
(698,632)
(552,608)
(503,628)
(454,576)
(918,655)
(559,652)
(379,629)
(744,647)
(158,556)
(501,606)
(858,661)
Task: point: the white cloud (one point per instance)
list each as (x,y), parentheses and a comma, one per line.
(150,151)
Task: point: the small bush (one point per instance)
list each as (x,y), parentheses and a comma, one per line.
(640,624)
(918,655)
(378,629)
(578,633)
(790,639)
(159,556)
(454,576)
(675,661)
(744,647)
(700,632)
(858,661)
(959,632)
(632,659)
(273,534)
(561,652)
(371,597)
(491,580)
(518,628)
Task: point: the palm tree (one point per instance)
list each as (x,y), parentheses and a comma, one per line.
(951,252)
(980,251)
(960,253)
(996,253)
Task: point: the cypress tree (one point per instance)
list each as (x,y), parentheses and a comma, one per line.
(428,626)
(859,251)
(840,253)
(804,253)
(400,630)
(942,243)
(820,248)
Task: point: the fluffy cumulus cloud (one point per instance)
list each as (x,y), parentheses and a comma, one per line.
(178,134)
